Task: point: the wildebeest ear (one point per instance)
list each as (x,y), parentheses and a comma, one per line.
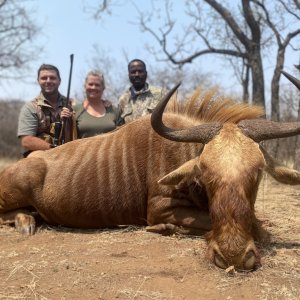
(278,171)
(184,174)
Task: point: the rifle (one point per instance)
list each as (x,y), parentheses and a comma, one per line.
(68,98)
(57,131)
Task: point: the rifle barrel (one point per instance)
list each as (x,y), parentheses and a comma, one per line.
(68,97)
(70,77)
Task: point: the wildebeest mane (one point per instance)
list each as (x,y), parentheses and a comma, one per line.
(209,106)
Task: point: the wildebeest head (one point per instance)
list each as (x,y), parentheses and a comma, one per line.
(229,167)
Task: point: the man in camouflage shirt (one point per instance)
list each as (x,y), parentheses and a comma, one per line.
(37,118)
(141,98)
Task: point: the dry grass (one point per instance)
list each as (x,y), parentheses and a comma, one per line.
(59,263)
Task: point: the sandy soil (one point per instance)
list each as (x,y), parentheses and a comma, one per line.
(129,263)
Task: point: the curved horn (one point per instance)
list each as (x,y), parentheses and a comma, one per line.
(199,134)
(261,129)
(292,79)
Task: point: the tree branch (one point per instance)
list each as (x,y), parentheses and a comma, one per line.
(226,15)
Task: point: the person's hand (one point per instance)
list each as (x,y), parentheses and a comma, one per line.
(107,103)
(65,113)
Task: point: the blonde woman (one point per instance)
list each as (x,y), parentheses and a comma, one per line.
(95,115)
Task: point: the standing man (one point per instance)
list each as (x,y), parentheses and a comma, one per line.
(141,98)
(37,118)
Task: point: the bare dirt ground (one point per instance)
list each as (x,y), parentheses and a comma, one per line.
(129,263)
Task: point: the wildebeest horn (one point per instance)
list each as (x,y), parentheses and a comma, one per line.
(199,134)
(292,79)
(261,129)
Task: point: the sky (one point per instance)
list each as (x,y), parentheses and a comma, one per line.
(67,29)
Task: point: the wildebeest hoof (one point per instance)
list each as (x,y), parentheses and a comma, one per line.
(25,224)
(164,229)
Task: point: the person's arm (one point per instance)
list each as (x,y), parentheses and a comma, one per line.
(123,107)
(33,143)
(27,129)
(119,120)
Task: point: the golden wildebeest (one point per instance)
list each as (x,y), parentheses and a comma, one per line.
(202,176)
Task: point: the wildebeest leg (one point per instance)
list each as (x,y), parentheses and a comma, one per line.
(18,183)
(12,213)
(169,229)
(168,215)
(22,219)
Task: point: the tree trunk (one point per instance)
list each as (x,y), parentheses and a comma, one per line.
(297,146)
(245,84)
(258,87)
(275,108)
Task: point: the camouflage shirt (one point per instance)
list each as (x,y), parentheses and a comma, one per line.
(134,104)
(37,118)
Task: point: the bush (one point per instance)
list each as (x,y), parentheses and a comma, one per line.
(9,143)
